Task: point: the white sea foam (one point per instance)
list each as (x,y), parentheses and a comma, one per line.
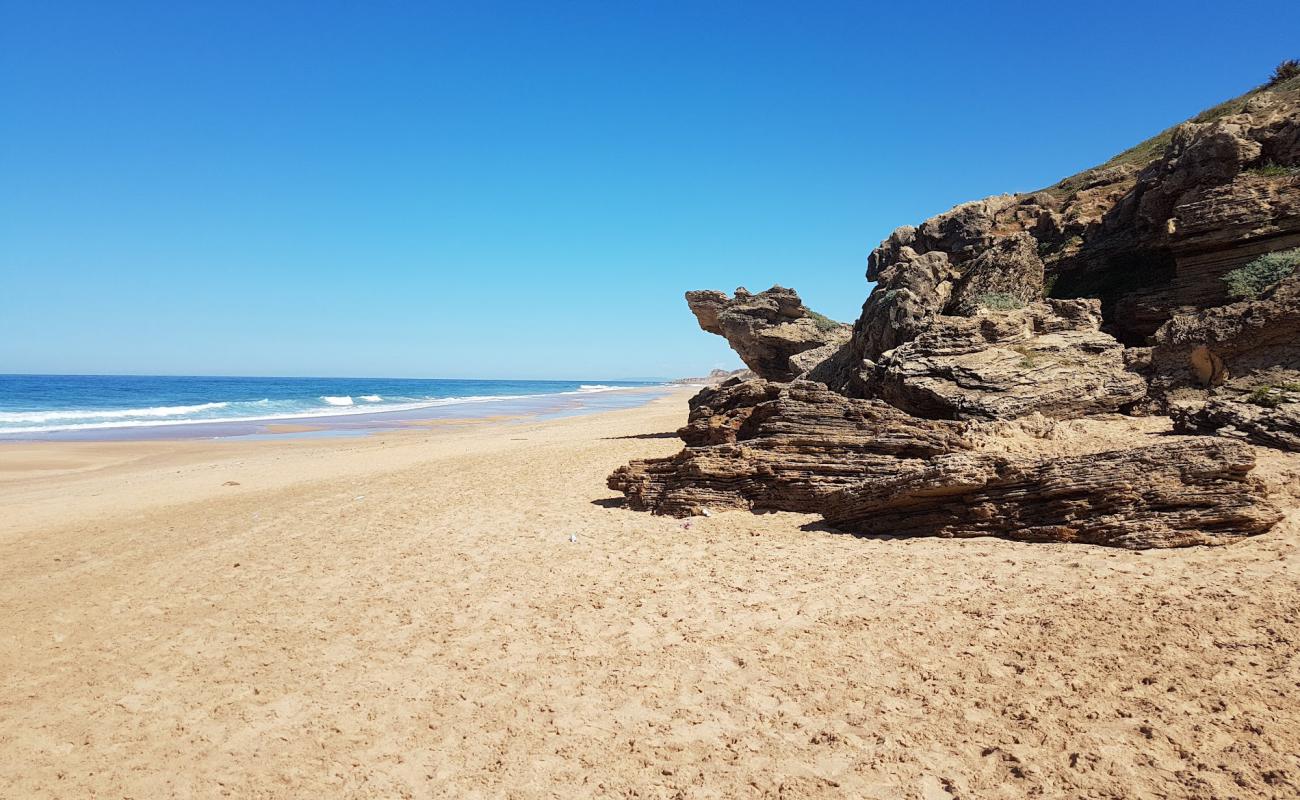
(117,413)
(255,411)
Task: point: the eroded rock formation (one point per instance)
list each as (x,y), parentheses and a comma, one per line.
(1104,293)
(1169,495)
(1270,418)
(1236,345)
(870,468)
(1235,369)
(773,332)
(1048,358)
(764,445)
(1149,233)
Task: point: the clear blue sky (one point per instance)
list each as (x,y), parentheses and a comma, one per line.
(485,189)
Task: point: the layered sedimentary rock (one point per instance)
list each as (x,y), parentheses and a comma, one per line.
(1009,271)
(953,264)
(773,332)
(1048,358)
(763,445)
(1102,293)
(1169,495)
(1234,369)
(1236,345)
(1150,232)
(911,290)
(870,468)
(1274,423)
(1227,226)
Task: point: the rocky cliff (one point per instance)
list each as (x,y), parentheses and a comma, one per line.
(1109,292)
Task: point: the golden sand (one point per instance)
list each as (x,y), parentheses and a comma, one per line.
(404,615)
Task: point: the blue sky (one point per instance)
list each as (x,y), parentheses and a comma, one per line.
(485,189)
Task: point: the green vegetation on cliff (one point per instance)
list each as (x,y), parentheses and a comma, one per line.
(1250,281)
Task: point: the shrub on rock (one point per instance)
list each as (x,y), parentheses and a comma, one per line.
(1250,281)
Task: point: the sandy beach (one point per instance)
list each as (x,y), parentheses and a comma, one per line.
(405,615)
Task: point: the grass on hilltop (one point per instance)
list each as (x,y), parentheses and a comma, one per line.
(1286,78)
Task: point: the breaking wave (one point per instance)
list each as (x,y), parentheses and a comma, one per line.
(32,421)
(38,417)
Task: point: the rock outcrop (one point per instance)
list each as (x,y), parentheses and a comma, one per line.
(910,292)
(1104,293)
(1235,369)
(1008,272)
(1149,233)
(1048,358)
(764,445)
(870,468)
(1169,495)
(773,332)
(1235,345)
(1269,416)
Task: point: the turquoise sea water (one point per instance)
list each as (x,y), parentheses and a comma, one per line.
(102,406)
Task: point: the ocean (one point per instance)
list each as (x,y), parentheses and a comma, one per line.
(44,406)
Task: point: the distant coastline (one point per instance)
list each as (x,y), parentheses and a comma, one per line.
(715,377)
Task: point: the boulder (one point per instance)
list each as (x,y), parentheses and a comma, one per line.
(961,232)
(916,282)
(910,292)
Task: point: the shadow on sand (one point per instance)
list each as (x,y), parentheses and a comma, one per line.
(664,435)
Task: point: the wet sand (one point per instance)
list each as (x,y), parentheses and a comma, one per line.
(404,615)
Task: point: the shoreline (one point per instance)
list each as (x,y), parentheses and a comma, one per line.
(357,422)
(56,469)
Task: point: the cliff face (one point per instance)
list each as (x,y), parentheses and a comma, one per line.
(1150,234)
(1104,293)
(1156,228)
